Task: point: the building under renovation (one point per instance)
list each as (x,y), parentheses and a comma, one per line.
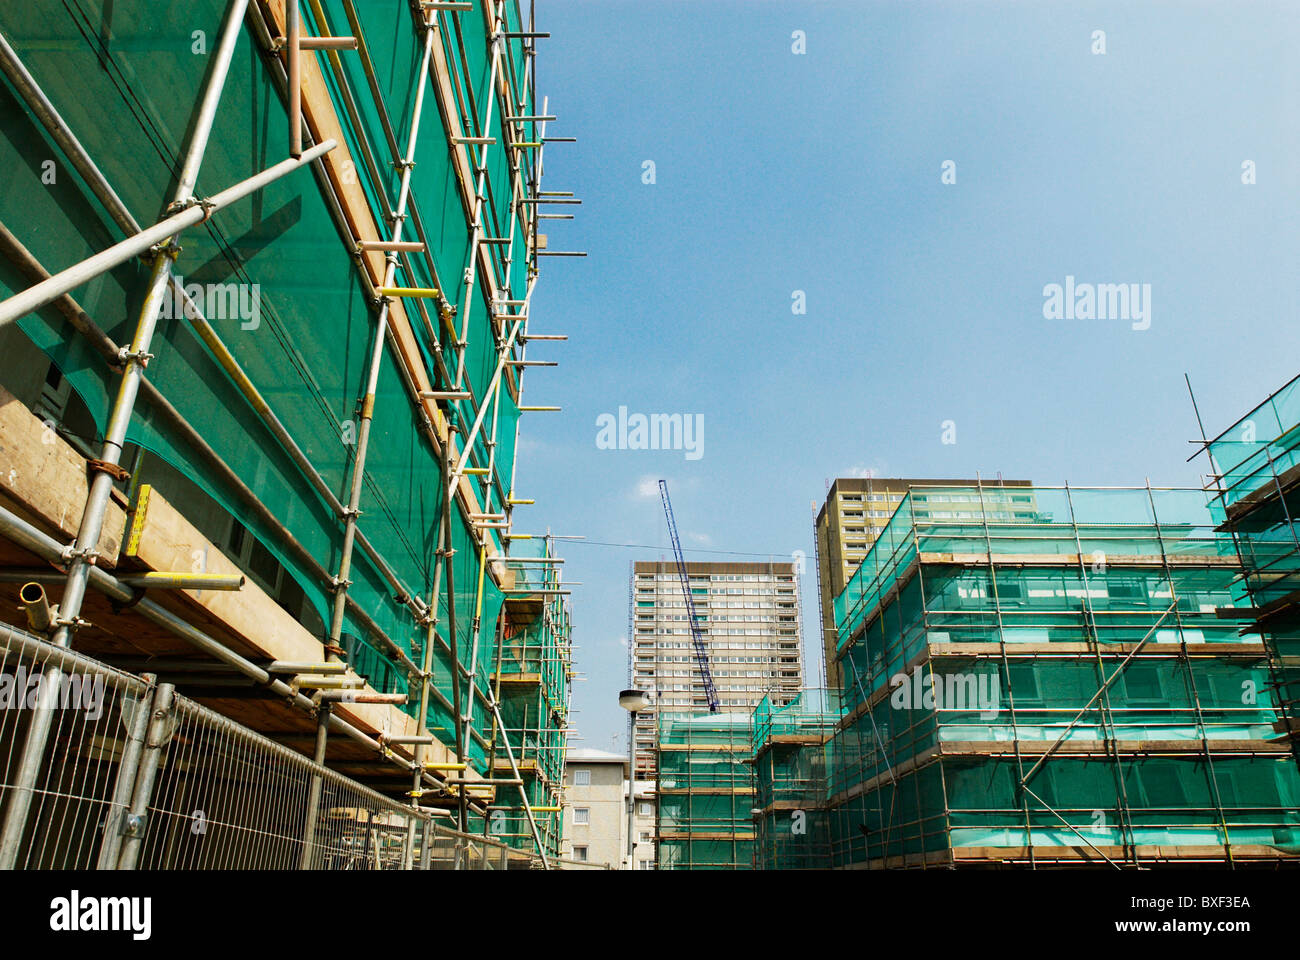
(705,792)
(1031,677)
(266,268)
(1070,687)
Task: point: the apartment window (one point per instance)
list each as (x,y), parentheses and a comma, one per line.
(582,815)
(646,809)
(580,853)
(582,778)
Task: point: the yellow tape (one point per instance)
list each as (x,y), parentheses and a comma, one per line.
(137,520)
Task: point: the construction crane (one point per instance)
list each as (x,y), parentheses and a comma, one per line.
(697,638)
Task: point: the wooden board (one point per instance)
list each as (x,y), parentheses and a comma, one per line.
(247,621)
(45,480)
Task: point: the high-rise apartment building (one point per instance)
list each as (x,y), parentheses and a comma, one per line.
(749,619)
(855,511)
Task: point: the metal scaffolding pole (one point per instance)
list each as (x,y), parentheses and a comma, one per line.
(1107,715)
(1006,671)
(160,732)
(523,793)
(1211,775)
(376,358)
(449,554)
(426,676)
(480,196)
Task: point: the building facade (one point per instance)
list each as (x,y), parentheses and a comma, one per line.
(643,823)
(706,792)
(750,622)
(595,811)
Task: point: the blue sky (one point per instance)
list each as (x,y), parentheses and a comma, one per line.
(821,172)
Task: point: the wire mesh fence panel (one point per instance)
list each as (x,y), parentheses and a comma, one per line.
(102,769)
(227,798)
(65,725)
(450,850)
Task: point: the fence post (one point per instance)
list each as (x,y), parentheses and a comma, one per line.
(115,821)
(314,790)
(160,733)
(29,767)
(426,838)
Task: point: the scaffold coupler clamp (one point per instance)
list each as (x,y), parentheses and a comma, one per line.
(114,470)
(72,553)
(180,206)
(142,357)
(167,248)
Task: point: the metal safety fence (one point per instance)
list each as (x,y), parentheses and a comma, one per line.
(101,769)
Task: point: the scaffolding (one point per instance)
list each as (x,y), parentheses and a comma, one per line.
(789,753)
(1255,485)
(1054,676)
(533,686)
(334,376)
(705,791)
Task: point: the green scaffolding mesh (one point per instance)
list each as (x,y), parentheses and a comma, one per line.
(1087,694)
(1258,501)
(282,290)
(705,791)
(791,820)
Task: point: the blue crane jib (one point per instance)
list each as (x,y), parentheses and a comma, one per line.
(697,638)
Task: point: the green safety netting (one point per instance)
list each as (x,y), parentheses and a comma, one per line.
(791,820)
(1025,521)
(1146,800)
(126,79)
(1265,443)
(704,854)
(705,792)
(893,798)
(1258,504)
